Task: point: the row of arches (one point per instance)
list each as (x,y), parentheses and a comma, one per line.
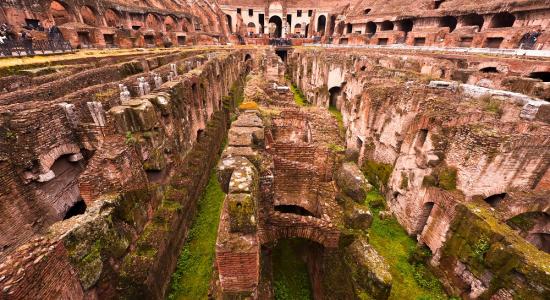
(500,20)
(62,13)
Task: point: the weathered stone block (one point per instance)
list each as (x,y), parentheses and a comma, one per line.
(242,212)
(358,216)
(352,182)
(227,166)
(246,136)
(369,270)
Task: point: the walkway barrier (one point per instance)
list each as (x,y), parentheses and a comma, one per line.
(19,48)
(513,52)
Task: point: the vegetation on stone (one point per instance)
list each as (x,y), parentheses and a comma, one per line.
(194,268)
(290,276)
(377,174)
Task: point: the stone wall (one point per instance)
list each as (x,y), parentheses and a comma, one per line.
(430,148)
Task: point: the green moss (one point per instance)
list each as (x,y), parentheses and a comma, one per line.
(339,118)
(336,147)
(378,174)
(524,222)
(411,278)
(481,247)
(299,97)
(404,181)
(443,177)
(290,276)
(375,200)
(194,268)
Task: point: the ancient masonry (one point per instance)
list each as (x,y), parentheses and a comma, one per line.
(105,154)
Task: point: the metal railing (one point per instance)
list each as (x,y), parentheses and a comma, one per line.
(21,48)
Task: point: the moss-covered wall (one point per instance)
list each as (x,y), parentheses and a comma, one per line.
(495,255)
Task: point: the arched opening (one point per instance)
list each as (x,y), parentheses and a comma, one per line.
(247,57)
(349,28)
(200,133)
(386,26)
(78,208)
(170,24)
(59,13)
(112,18)
(473,20)
(88,15)
(298,29)
(251,28)
(275,27)
(371,28)
(424,215)
(503,19)
(334,93)
(405,25)
(152,22)
(437,3)
(282,54)
(307,30)
(489,70)
(533,226)
(494,200)
(295,265)
(544,76)
(448,21)
(293,209)
(321,24)
(366,11)
(229,23)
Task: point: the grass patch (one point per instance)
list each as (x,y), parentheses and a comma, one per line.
(339,118)
(290,277)
(411,280)
(194,269)
(299,97)
(378,174)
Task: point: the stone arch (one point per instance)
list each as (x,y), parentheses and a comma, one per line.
(298,28)
(229,22)
(334,93)
(112,17)
(47,160)
(275,7)
(386,26)
(371,28)
(89,15)
(170,23)
(321,24)
(152,22)
(473,20)
(502,19)
(424,216)
(405,25)
(60,12)
(186,25)
(349,28)
(276,26)
(251,28)
(448,21)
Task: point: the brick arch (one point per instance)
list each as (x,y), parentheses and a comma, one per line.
(171,23)
(112,17)
(61,12)
(152,21)
(89,15)
(47,160)
(287,226)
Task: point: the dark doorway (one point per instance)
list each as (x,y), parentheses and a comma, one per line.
(419,41)
(489,70)
(406,25)
(229,23)
(84,39)
(78,208)
(386,26)
(382,41)
(278,23)
(109,40)
(149,40)
(293,209)
(494,200)
(334,94)
(544,76)
(503,19)
(181,40)
(321,24)
(448,21)
(282,54)
(423,218)
(473,20)
(371,28)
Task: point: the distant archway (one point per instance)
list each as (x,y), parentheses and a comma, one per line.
(321,24)
(405,25)
(473,20)
(448,21)
(229,23)
(386,26)
(88,15)
(276,26)
(503,19)
(152,22)
(298,29)
(59,13)
(334,94)
(371,28)
(170,23)
(112,18)
(251,28)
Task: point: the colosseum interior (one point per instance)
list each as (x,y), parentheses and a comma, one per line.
(247,149)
